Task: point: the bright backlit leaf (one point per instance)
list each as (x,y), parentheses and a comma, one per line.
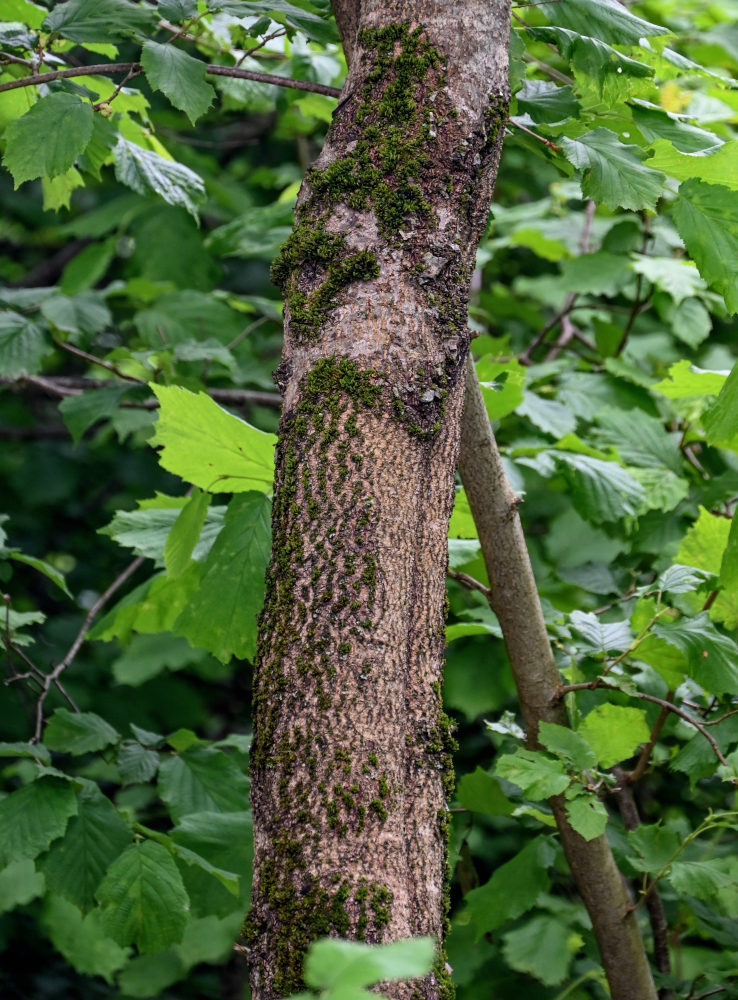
(614,732)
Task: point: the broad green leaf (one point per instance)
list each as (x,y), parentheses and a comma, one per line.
(514,887)
(34,751)
(599,273)
(25,11)
(684,380)
(179,76)
(462,521)
(209,939)
(228,879)
(706,216)
(151,608)
(207,446)
(143,899)
(179,318)
(542,948)
(716,165)
(337,965)
(566,743)
(546,102)
(678,579)
(640,440)
(98,20)
(185,533)
(82,940)
(149,173)
(691,322)
(536,774)
(600,491)
(705,542)
(149,975)
(605,19)
(655,123)
(480,792)
(225,840)
(78,732)
(34,816)
(146,656)
(49,137)
(549,415)
(135,763)
(712,656)
(19,884)
(655,845)
(587,815)
(308,21)
(202,779)
(177,10)
(678,278)
(502,386)
(95,837)
(84,313)
(48,571)
(81,412)
(601,637)
(729,564)
(614,732)
(23,345)
(460,630)
(146,530)
(721,419)
(614,173)
(702,879)
(222,615)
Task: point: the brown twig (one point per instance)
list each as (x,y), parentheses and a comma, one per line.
(106,68)
(78,352)
(640,769)
(53,677)
(468,581)
(535,135)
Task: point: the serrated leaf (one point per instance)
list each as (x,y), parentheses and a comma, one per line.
(684,380)
(82,941)
(143,899)
(702,879)
(146,530)
(307,21)
(184,319)
(147,656)
(34,816)
(207,446)
(678,278)
(349,965)
(654,844)
(678,579)
(98,20)
(587,815)
(148,173)
(602,637)
(729,564)
(549,415)
(48,138)
(225,840)
(614,732)
(23,345)
(81,412)
(604,19)
(540,948)
(151,608)
(19,884)
(706,216)
(179,76)
(177,10)
(480,792)
(566,743)
(78,732)
(514,887)
(716,165)
(83,313)
(705,542)
(600,491)
(185,533)
(201,779)
(135,763)
(712,657)
(95,837)
(614,173)
(149,975)
(222,615)
(33,751)
(535,773)
(721,419)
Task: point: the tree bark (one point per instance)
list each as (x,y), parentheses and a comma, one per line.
(514,599)
(351,763)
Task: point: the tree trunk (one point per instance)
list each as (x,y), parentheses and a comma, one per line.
(351,763)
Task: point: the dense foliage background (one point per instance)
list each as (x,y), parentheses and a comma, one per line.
(138,227)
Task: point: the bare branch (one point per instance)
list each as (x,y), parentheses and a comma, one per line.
(468,581)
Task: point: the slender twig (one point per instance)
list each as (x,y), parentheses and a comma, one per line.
(8,57)
(255,48)
(53,677)
(555,74)
(98,361)
(468,581)
(535,135)
(133,72)
(643,761)
(233,71)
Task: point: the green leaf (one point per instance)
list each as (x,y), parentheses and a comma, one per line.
(135,763)
(513,888)
(614,732)
(95,837)
(716,165)
(19,884)
(153,607)
(599,273)
(601,637)
(337,965)
(712,657)
(655,845)
(224,840)
(177,10)
(502,386)
(179,76)
(146,530)
(587,815)
(98,20)
(678,278)
(480,792)
(185,533)
(541,948)
(603,19)
(705,542)
(33,816)
(536,774)
(179,318)
(702,879)
(706,216)
(600,491)
(614,173)
(48,571)
(149,975)
(549,415)
(308,21)
(567,744)
(721,419)
(48,138)
(207,446)
(82,941)
(201,779)
(81,412)
(83,313)
(222,615)
(78,732)
(146,656)
(33,751)
(143,899)
(148,173)
(684,380)
(547,103)
(729,564)
(23,345)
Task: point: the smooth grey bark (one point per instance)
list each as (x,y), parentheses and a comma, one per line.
(514,599)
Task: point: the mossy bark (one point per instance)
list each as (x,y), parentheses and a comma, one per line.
(351,766)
